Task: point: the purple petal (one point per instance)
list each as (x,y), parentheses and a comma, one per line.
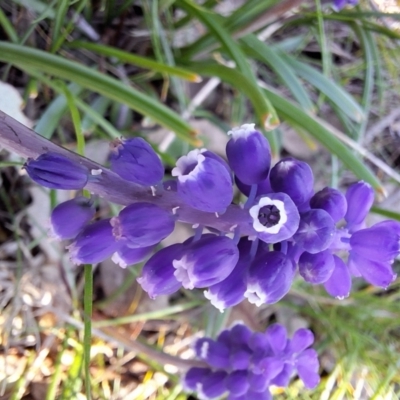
(157,276)
(275,217)
(332,201)
(136,161)
(307,368)
(56,171)
(70,217)
(376,273)
(316,230)
(293,177)
(316,268)
(203,182)
(277,337)
(249,154)
(214,353)
(270,278)
(214,384)
(127,256)
(339,283)
(360,197)
(283,378)
(302,339)
(206,262)
(263,187)
(237,383)
(194,376)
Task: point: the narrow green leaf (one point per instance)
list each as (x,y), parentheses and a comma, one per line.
(386,213)
(8,28)
(98,82)
(328,87)
(238,81)
(210,20)
(315,127)
(271,57)
(61,12)
(136,60)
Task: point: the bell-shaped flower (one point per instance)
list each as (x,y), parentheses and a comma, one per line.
(213,385)
(136,161)
(316,231)
(379,243)
(275,217)
(94,244)
(360,197)
(56,171)
(206,262)
(307,367)
(204,182)
(270,278)
(128,256)
(339,283)
(237,383)
(377,273)
(293,177)
(157,276)
(69,218)
(230,291)
(215,354)
(193,376)
(316,268)
(142,225)
(249,154)
(332,201)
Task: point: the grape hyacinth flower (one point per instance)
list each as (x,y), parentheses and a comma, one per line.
(128,256)
(69,218)
(142,225)
(56,171)
(136,161)
(332,201)
(245,364)
(206,262)
(204,181)
(249,154)
(94,244)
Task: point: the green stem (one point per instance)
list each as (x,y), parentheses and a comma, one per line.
(87,319)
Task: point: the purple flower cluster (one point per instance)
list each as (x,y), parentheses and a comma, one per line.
(339,4)
(245,364)
(321,236)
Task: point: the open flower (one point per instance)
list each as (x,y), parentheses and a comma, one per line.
(275,217)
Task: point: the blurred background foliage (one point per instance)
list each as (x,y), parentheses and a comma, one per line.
(322,85)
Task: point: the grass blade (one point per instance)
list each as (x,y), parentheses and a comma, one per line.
(100,83)
(143,62)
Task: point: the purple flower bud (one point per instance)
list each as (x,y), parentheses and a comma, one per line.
(316,268)
(339,283)
(378,243)
(70,217)
(136,161)
(212,385)
(307,368)
(301,339)
(206,262)
(264,187)
(230,291)
(237,383)
(293,177)
(269,279)
(332,201)
(142,225)
(193,376)
(316,231)
(276,335)
(360,197)
(249,154)
(127,256)
(375,272)
(215,354)
(157,276)
(94,244)
(204,182)
(55,171)
(275,217)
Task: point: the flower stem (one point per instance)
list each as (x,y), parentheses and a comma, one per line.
(87,318)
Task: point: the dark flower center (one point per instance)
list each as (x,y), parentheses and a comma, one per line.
(269,216)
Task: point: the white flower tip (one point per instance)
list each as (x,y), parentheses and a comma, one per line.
(95,172)
(242,131)
(116,258)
